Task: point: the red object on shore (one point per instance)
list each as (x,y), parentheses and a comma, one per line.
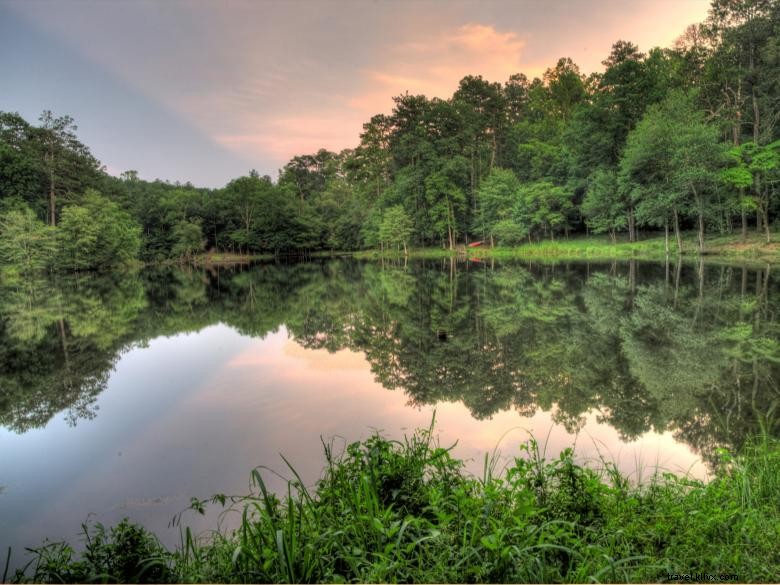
(475,244)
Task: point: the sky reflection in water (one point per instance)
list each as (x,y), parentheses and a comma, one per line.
(190,414)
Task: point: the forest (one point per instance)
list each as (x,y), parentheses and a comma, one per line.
(678,138)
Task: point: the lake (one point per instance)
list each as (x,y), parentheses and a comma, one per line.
(126,395)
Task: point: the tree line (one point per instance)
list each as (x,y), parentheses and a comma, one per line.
(684,137)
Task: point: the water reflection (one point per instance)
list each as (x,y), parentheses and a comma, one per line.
(178,382)
(693,349)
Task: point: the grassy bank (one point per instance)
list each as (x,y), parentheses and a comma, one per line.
(218,258)
(650,247)
(387,511)
(223,258)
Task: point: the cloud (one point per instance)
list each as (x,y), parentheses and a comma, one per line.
(435,66)
(268,80)
(432,66)
(283,137)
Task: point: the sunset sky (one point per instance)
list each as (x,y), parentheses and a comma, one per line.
(205,91)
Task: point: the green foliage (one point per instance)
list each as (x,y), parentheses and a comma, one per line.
(652,119)
(96,234)
(446,204)
(187,239)
(387,511)
(126,553)
(26,244)
(671,163)
(509,233)
(603,207)
(543,208)
(497,196)
(396,227)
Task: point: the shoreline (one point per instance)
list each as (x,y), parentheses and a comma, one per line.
(753,248)
(412,503)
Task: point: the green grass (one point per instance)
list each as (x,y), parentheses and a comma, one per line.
(650,247)
(405,511)
(214,258)
(584,247)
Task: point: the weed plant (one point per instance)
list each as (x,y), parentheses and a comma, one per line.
(406,511)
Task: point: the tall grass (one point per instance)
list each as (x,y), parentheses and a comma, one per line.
(406,511)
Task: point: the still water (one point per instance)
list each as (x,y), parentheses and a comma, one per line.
(125,396)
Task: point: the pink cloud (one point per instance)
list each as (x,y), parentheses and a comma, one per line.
(268,80)
(432,67)
(284,137)
(435,66)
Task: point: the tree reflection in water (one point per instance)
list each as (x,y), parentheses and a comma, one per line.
(689,348)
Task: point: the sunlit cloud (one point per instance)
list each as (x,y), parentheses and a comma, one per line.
(433,67)
(281,138)
(264,81)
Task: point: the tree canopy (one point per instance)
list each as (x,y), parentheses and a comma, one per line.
(678,137)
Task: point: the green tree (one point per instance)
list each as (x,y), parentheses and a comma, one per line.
(508,233)
(675,153)
(543,207)
(187,239)
(22,174)
(396,227)
(757,167)
(603,207)
(96,234)
(252,208)
(497,196)
(26,244)
(69,165)
(446,202)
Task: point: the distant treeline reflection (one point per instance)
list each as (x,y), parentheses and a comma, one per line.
(684,347)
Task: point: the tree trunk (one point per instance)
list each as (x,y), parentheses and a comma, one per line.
(677,232)
(666,237)
(450,222)
(677,271)
(493,152)
(766,222)
(52,195)
(701,232)
(744,217)
(631,226)
(765,211)
(756,115)
(701,282)
(666,279)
